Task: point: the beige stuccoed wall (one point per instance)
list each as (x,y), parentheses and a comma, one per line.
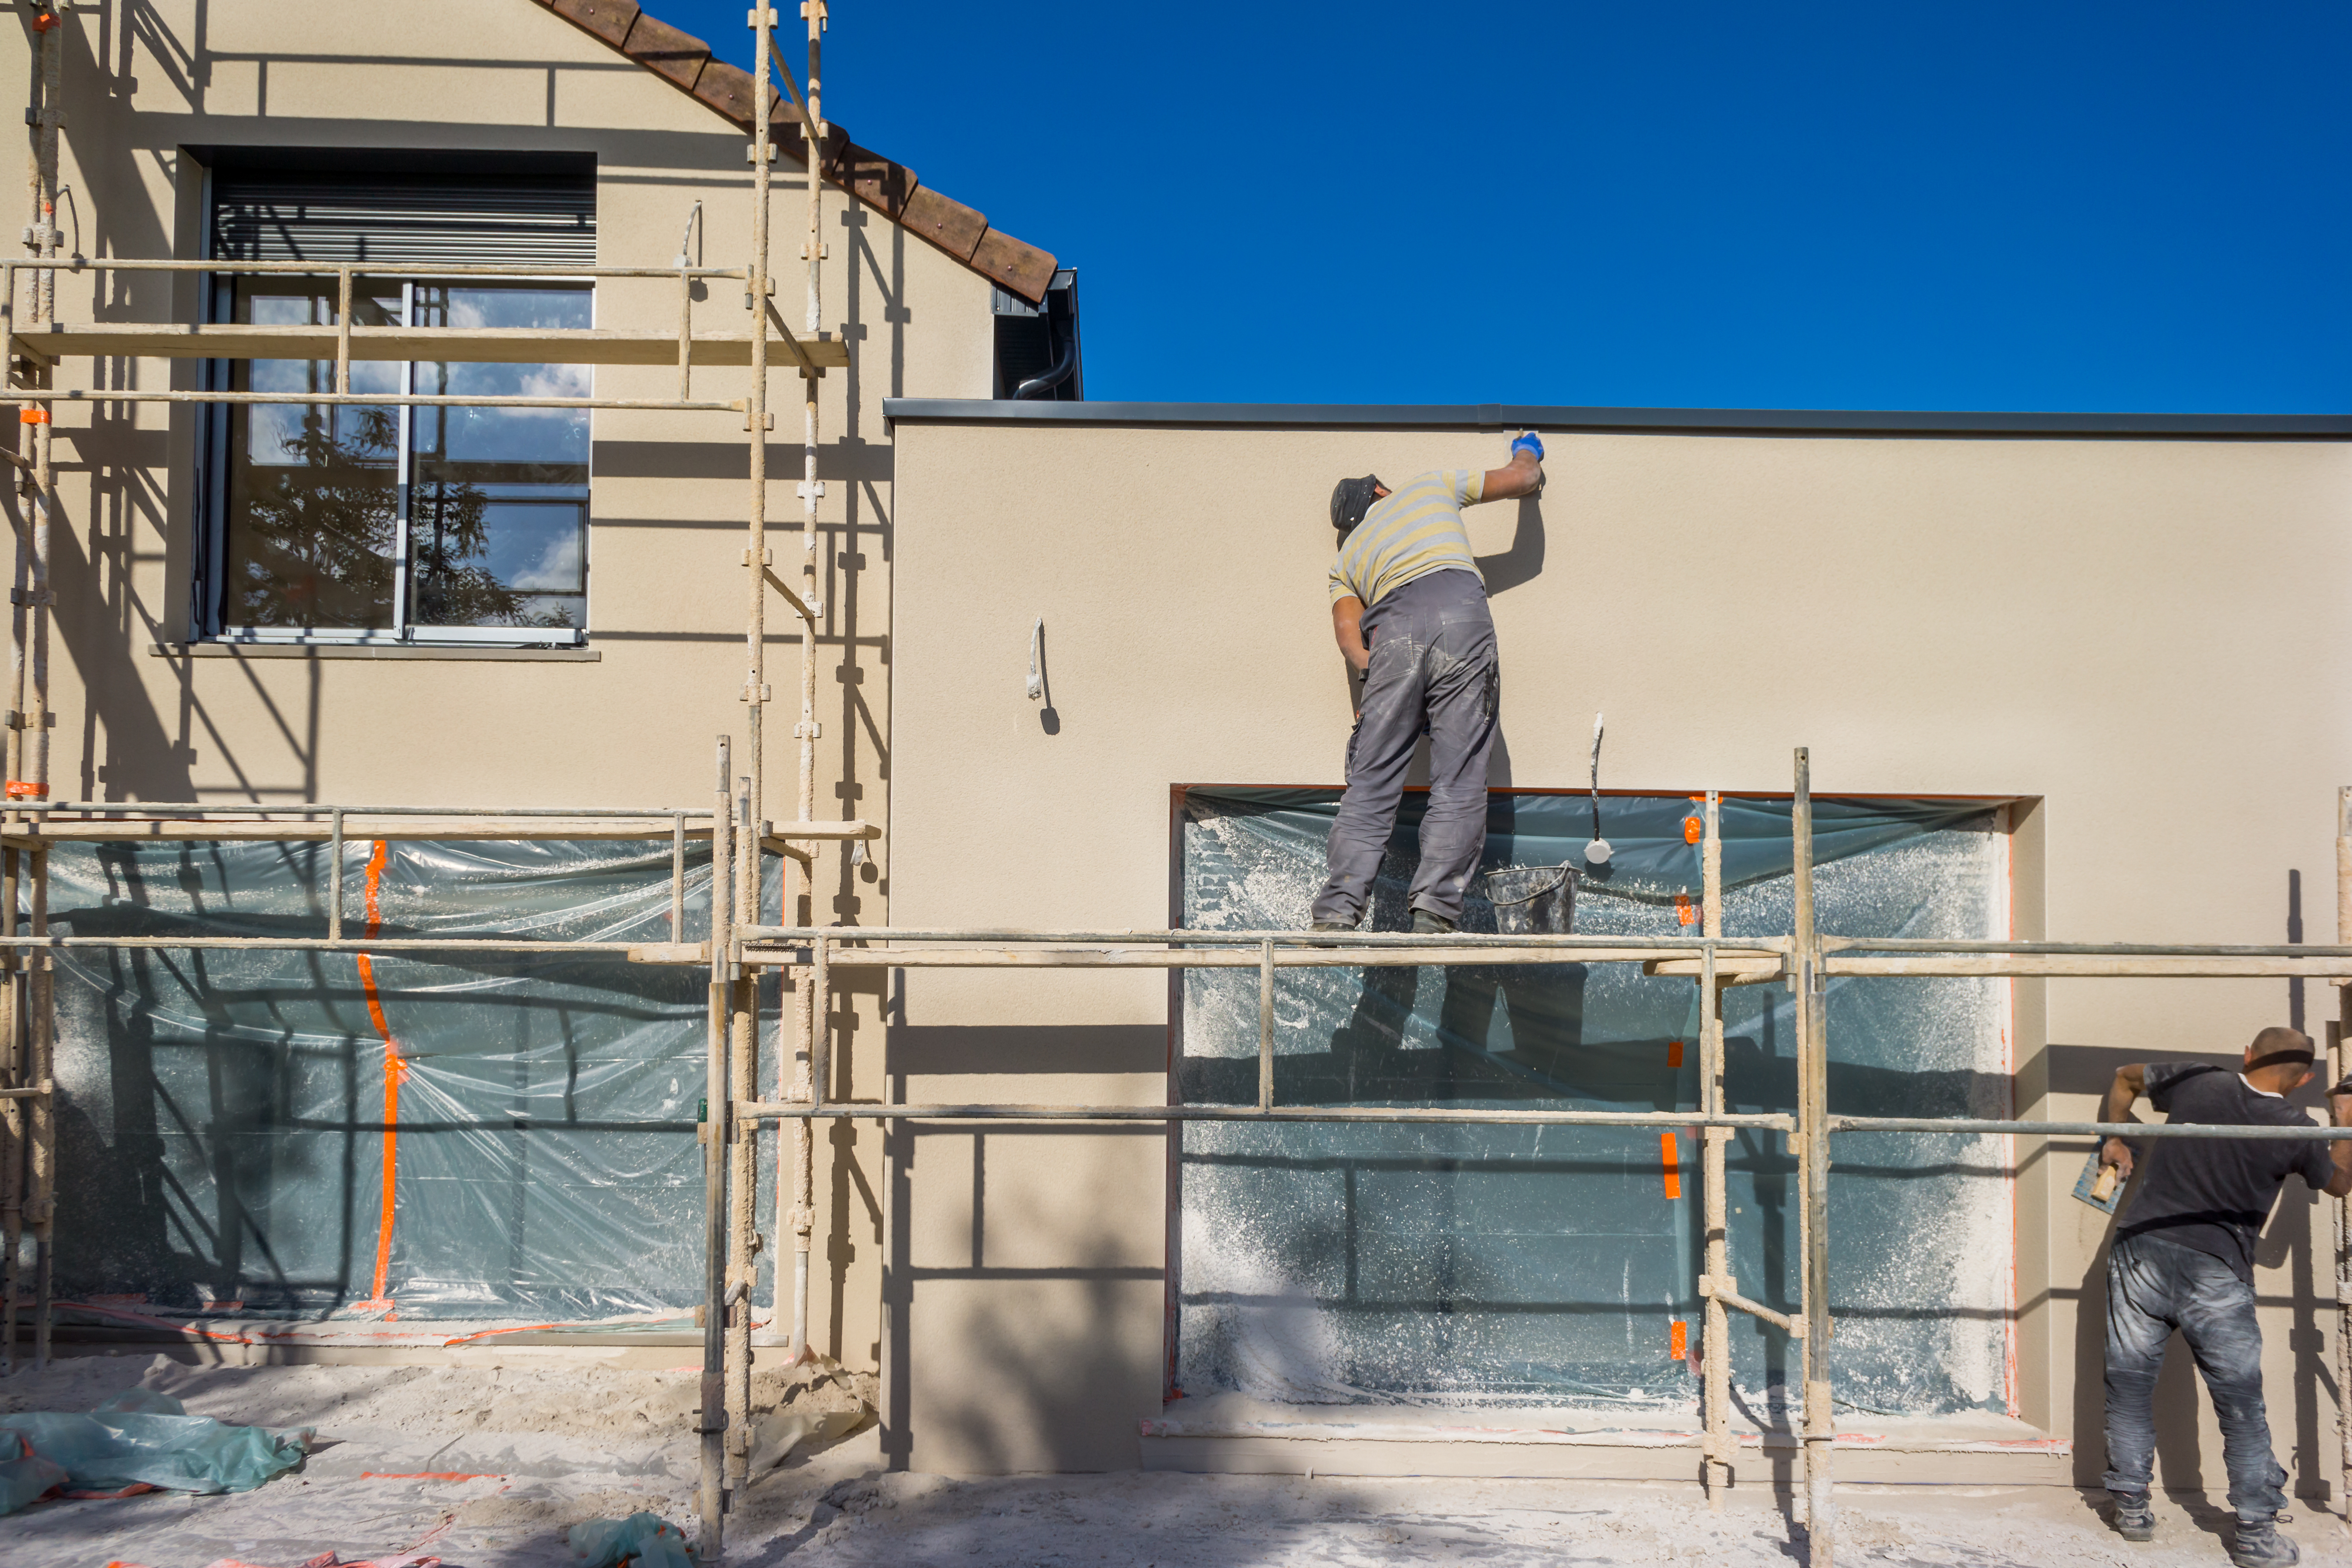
(146,82)
(2135,632)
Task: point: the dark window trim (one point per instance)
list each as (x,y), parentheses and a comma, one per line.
(208,606)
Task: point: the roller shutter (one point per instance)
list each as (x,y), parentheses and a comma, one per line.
(406,221)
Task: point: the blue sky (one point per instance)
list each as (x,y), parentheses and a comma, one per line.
(2058,207)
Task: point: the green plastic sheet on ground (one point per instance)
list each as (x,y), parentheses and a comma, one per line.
(223,1126)
(1322,1263)
(137,1439)
(643,1539)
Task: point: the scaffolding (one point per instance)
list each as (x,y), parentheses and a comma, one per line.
(740,948)
(31,822)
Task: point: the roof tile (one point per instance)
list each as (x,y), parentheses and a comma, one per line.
(730,90)
(873,179)
(890,189)
(1014,264)
(608,19)
(666,52)
(945,222)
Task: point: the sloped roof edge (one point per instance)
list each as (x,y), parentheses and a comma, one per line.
(889,188)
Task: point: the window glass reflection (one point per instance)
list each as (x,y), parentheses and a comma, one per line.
(313,494)
(498,505)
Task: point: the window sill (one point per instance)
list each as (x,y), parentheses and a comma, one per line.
(365,650)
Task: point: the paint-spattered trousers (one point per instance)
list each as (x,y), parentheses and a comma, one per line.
(2154,1287)
(1434,667)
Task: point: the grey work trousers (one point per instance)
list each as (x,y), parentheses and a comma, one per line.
(2154,1287)
(1434,667)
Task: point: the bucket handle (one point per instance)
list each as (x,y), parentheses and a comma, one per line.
(1553,887)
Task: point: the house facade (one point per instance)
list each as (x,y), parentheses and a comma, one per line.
(1070,654)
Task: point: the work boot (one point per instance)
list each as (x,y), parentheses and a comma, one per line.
(1426,922)
(1331,928)
(2260,1545)
(2135,1520)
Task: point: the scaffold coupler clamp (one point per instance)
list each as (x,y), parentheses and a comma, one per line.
(713,1413)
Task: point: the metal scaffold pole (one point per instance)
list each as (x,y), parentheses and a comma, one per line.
(1714,1345)
(796,1162)
(750,790)
(1813,1169)
(29,777)
(810,1012)
(716,1126)
(13,1111)
(743,1152)
(2339,1062)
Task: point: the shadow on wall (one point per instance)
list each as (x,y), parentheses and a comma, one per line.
(107,614)
(1012,1344)
(2181,1463)
(1524,560)
(1041,681)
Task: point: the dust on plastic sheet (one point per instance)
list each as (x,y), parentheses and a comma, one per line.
(1547,1266)
(137,1439)
(223,1110)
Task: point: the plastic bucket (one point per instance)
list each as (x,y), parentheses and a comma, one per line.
(1533,900)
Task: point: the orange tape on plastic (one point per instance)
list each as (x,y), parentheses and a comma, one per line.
(1678,1341)
(1673,1053)
(1671,1156)
(1686,910)
(395,1069)
(146,1322)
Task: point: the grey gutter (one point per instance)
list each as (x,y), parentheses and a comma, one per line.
(1515,416)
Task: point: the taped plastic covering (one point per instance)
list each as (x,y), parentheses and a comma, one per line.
(1558,1266)
(230,1116)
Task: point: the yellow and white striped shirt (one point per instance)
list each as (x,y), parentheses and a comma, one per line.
(1411,532)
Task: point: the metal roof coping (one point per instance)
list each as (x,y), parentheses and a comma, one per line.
(1572,417)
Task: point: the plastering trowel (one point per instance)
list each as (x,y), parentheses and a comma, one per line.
(2101,1186)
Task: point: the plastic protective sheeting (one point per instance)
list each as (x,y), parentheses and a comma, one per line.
(26,1478)
(138,1439)
(228,1123)
(1558,1266)
(643,1539)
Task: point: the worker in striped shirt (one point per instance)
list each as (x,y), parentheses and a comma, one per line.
(1409,609)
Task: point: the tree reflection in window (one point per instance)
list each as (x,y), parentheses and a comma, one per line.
(319,531)
(453,545)
(499,495)
(313,489)
(484,508)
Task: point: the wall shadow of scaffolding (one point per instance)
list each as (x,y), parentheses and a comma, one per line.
(1557,1266)
(225,1113)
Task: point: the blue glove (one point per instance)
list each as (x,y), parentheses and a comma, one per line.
(1530,442)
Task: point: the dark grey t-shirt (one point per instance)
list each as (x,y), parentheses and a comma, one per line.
(2214,1195)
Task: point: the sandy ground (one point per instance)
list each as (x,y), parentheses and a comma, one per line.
(486,1466)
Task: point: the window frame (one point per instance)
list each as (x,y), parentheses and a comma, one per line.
(216,457)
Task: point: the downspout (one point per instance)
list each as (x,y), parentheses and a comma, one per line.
(1044,381)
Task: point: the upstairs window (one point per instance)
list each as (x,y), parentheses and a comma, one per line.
(390,523)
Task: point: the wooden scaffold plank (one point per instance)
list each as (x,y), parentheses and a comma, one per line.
(52,342)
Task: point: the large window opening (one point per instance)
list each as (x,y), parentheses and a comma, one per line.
(396,523)
(1543,1266)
